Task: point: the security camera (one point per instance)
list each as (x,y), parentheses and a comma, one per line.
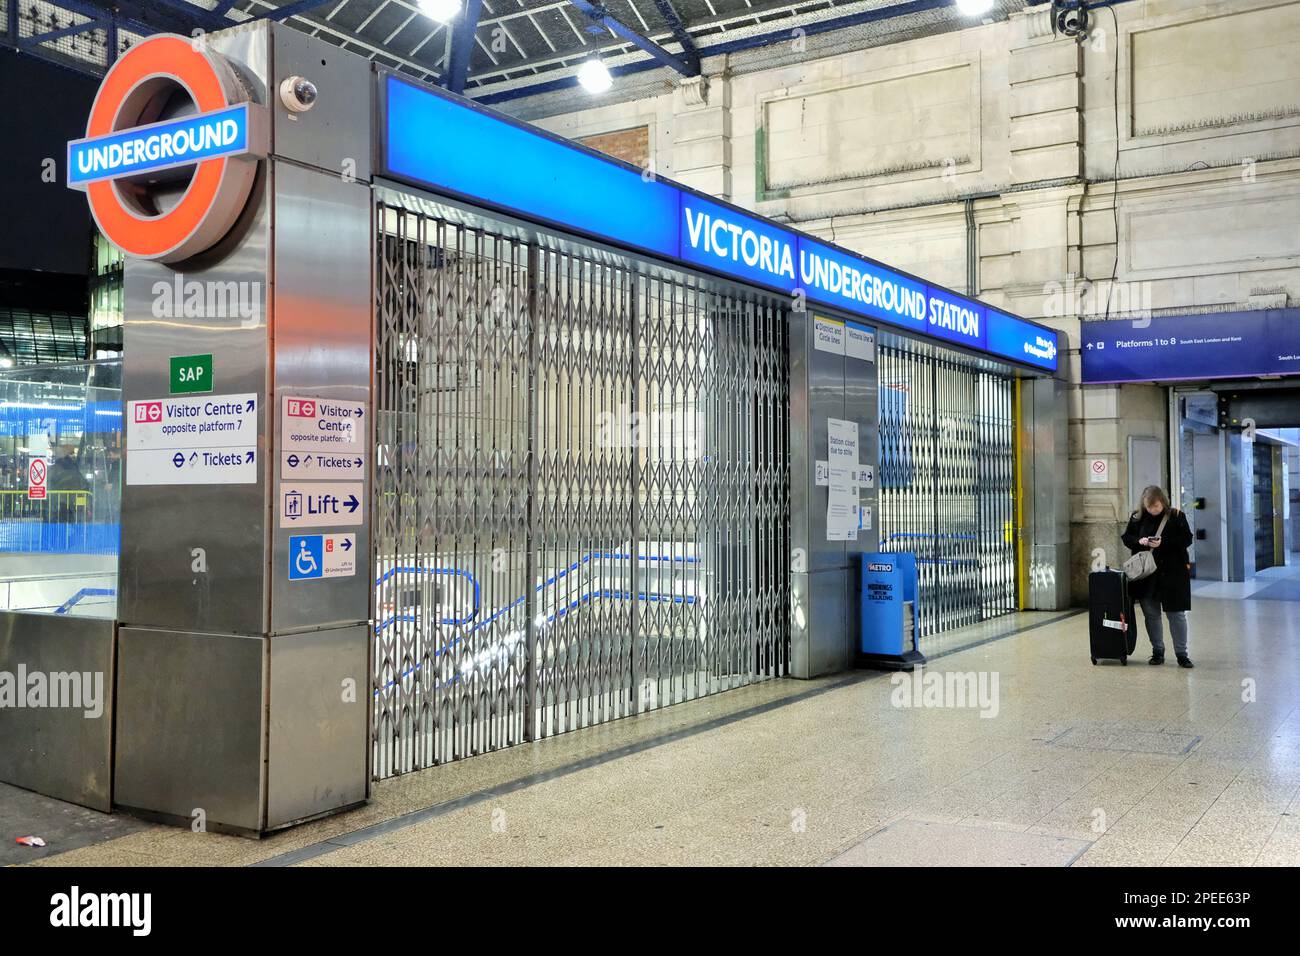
(298,94)
(1070,21)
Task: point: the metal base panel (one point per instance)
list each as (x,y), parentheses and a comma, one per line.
(188,747)
(196,750)
(318,745)
(61,751)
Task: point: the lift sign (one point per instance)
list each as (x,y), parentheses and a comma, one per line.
(316,503)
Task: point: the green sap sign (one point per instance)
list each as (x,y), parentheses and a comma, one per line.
(191,373)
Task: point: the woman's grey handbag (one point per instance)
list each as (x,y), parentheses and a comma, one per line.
(1143,564)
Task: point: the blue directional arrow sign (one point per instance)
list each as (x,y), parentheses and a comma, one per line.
(316,465)
(192,440)
(313,556)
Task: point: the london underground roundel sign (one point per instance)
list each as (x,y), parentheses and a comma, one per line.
(171,150)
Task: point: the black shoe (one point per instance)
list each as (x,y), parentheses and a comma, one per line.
(1185,661)
(1157,659)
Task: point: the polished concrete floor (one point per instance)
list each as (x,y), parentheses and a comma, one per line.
(1067,764)
(1256,584)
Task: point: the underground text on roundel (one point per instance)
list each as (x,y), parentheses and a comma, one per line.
(156,147)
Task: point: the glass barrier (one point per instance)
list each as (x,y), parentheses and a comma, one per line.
(60,487)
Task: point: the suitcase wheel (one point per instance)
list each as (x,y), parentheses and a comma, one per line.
(1094,662)
(1124,660)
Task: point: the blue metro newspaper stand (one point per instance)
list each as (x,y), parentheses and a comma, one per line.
(888,617)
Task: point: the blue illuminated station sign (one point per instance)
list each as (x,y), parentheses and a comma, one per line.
(466,151)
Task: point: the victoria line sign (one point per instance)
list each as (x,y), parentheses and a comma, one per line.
(467,151)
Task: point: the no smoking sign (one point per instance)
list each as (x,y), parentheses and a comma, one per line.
(1099,471)
(36,479)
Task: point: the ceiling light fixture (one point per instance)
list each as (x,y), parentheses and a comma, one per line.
(594,76)
(444,11)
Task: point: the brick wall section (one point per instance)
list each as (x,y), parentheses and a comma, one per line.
(630,145)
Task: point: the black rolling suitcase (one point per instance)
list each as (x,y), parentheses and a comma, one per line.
(1112,631)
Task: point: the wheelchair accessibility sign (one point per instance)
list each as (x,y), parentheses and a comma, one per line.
(322,556)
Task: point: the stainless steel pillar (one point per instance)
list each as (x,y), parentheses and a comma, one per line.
(1237,454)
(827,384)
(243,694)
(1212,520)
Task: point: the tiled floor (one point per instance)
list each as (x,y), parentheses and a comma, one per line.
(1261,581)
(1068,764)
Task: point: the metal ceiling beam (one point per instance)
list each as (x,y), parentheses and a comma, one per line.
(598,13)
(462,46)
(347,39)
(523,12)
(690,53)
(58,34)
(810,28)
(195,16)
(160,16)
(788,12)
(562,83)
(109,15)
(292,9)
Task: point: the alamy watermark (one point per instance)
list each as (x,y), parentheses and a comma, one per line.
(949,689)
(75,908)
(1129,300)
(661,428)
(73,690)
(208,299)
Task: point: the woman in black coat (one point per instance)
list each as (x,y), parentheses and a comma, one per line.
(1170,588)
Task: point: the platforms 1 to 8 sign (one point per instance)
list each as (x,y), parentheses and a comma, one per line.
(192,441)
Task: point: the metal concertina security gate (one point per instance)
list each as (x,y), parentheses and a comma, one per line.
(581,496)
(947,477)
